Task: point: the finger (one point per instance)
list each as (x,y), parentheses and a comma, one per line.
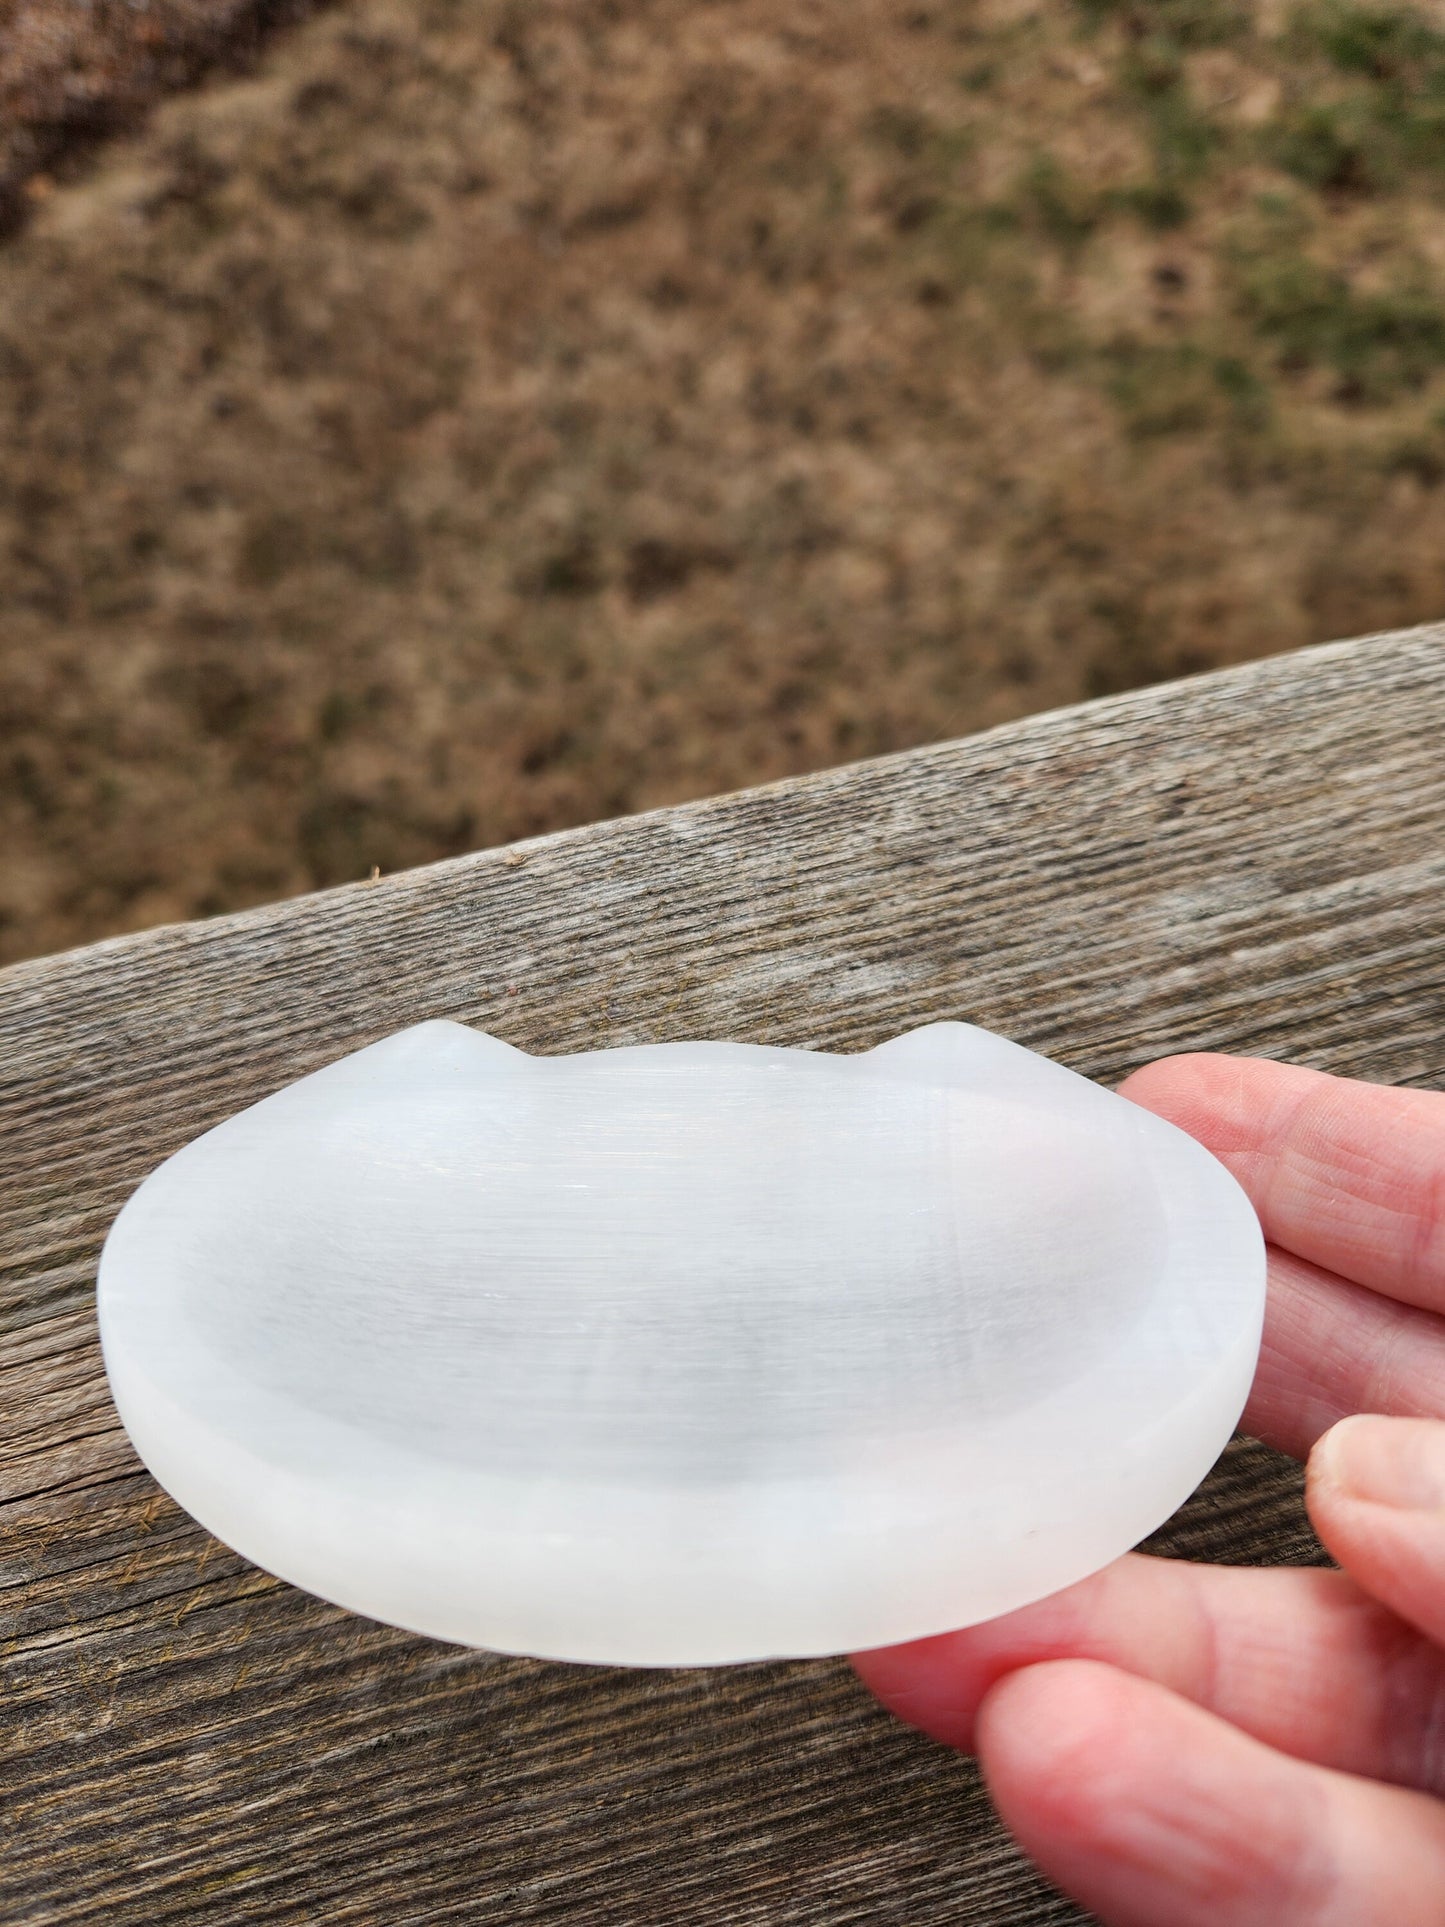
(1305,1661)
(1151,1811)
(1376,1491)
(1332,1348)
(1350,1176)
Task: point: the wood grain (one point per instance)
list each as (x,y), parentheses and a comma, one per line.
(1253,862)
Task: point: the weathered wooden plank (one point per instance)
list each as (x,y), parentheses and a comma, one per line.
(1253,861)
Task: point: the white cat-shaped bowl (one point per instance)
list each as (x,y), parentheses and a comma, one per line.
(688,1352)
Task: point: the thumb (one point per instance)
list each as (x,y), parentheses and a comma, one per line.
(1376,1493)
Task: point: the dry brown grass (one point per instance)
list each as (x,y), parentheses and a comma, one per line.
(493,416)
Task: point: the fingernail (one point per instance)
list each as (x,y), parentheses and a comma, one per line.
(1385,1461)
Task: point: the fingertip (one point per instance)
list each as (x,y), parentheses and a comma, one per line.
(1188,1068)
(1048,1735)
(1360,1536)
(1357,1475)
(1382,1460)
(1190,1088)
(933,1684)
(1328,1458)
(938,1684)
(1148,1809)
(1375,1490)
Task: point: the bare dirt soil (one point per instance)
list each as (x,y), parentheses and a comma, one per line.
(485,417)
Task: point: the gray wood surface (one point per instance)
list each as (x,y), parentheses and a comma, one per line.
(1251,862)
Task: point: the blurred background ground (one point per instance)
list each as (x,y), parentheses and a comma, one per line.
(476,418)
(73,71)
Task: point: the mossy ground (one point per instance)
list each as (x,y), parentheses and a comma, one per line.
(491,416)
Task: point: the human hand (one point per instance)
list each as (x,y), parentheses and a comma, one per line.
(1177,1744)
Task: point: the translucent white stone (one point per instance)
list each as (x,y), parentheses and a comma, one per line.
(685,1353)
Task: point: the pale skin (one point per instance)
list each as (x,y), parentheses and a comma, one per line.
(1193,1746)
